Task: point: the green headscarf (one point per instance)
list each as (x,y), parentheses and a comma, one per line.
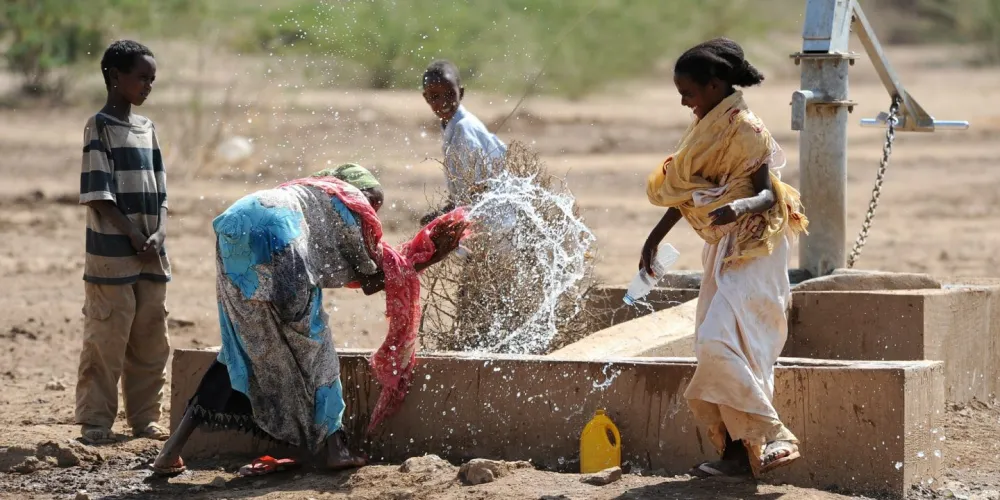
(353,174)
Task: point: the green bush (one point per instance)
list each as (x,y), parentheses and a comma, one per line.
(581,45)
(41,37)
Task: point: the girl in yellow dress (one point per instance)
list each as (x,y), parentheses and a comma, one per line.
(723,180)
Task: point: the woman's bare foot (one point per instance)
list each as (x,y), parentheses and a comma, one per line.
(338,456)
(169,461)
(167,466)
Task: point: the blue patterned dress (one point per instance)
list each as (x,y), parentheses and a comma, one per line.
(277,374)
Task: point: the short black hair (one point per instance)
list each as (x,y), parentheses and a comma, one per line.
(442,70)
(121,55)
(719,58)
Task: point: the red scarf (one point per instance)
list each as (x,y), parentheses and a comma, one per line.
(392,364)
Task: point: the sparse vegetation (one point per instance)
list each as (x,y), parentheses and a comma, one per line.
(503,287)
(580,45)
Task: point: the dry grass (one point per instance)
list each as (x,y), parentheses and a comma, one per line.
(494,298)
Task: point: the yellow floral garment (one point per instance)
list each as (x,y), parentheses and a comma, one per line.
(720,152)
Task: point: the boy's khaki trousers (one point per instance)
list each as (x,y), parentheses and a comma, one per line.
(124,336)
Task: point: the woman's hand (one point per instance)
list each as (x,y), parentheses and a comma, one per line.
(446,237)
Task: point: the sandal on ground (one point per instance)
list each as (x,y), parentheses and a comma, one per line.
(267,465)
(96,434)
(152,431)
(172,470)
(778,454)
(720,468)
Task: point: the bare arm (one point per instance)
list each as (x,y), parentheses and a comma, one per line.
(375,283)
(110,212)
(760,202)
(764,199)
(446,238)
(154,244)
(667,222)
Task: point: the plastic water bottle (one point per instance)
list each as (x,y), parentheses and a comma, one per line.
(666,256)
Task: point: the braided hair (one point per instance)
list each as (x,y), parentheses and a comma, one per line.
(719,58)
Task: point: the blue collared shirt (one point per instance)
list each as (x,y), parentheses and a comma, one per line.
(467,142)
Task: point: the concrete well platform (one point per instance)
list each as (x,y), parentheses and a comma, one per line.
(607,309)
(959,325)
(864,426)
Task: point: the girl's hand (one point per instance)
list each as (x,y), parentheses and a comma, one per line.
(648,256)
(727,214)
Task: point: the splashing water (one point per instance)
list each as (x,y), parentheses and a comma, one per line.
(609,378)
(551,241)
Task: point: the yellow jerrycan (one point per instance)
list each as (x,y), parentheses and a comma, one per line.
(600,445)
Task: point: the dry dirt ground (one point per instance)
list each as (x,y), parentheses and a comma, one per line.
(940,213)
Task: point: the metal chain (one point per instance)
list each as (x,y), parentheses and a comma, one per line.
(890,136)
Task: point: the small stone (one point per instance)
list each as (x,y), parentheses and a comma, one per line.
(29,465)
(605,477)
(82,495)
(198,489)
(55,385)
(424,465)
(481,470)
(258,483)
(67,454)
(218,482)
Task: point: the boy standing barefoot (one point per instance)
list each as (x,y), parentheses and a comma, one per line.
(123,185)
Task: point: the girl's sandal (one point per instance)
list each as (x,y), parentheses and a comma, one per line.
(719,468)
(778,454)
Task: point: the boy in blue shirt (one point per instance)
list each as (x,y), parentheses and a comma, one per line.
(469,147)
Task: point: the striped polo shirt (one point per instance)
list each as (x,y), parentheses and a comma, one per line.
(122,164)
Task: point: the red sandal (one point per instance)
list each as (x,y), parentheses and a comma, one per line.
(268,465)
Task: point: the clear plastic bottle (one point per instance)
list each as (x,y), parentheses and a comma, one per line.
(666,256)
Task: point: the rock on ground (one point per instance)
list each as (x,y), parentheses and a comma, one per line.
(426,464)
(605,477)
(47,454)
(481,470)
(68,453)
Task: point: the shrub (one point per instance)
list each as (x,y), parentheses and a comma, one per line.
(520,290)
(581,45)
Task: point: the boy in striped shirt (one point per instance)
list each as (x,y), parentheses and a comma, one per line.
(123,185)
